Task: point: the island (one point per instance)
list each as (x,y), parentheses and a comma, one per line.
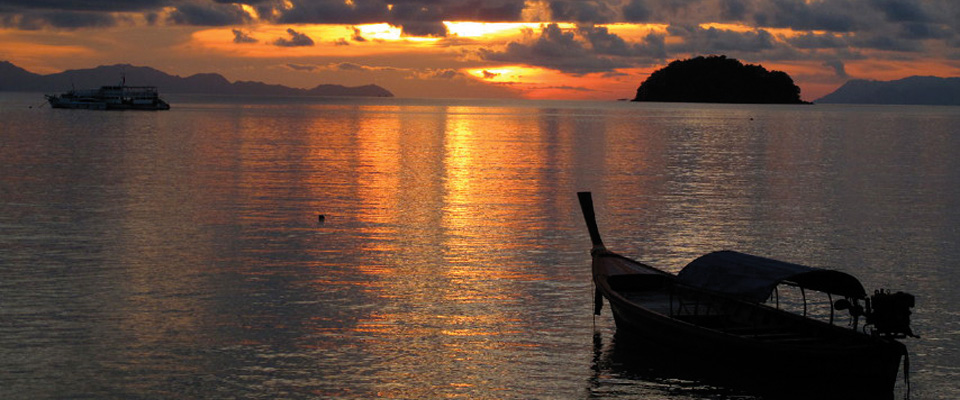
(718,79)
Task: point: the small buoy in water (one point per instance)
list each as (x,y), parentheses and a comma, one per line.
(321,218)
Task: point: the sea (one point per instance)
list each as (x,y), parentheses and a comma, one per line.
(348,248)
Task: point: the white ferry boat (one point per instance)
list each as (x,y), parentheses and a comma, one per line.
(111,98)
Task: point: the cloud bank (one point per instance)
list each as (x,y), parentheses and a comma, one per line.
(577,37)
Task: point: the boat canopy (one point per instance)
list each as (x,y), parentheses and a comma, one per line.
(754,278)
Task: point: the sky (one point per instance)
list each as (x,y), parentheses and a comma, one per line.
(536,49)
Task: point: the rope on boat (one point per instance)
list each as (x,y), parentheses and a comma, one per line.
(906,373)
(597,301)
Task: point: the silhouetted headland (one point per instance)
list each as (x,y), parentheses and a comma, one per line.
(14,78)
(718,79)
(916,90)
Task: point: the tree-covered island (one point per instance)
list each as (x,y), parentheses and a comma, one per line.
(718,79)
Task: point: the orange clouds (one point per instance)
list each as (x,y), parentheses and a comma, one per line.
(531,48)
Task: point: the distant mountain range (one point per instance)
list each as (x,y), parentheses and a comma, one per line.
(14,78)
(920,90)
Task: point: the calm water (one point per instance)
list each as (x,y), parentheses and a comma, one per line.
(179,254)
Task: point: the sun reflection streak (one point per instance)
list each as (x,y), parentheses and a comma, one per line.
(438,195)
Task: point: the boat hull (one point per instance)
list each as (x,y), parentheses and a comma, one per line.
(863,367)
(81,105)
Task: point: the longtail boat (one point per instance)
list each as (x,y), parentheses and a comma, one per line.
(717,315)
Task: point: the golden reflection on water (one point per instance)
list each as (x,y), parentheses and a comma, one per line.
(442,195)
(378,170)
(180,254)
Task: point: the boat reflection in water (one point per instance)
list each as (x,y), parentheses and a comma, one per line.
(711,319)
(625,367)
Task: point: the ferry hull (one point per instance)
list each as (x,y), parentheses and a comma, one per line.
(111,98)
(57,103)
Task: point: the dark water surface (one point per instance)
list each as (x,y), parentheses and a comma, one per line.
(179,254)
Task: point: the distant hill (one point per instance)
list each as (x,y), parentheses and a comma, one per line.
(922,90)
(14,78)
(718,79)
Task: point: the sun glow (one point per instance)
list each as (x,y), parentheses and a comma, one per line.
(543,83)
(504,74)
(441,59)
(636,31)
(15,45)
(252,12)
(262,41)
(382,31)
(487,29)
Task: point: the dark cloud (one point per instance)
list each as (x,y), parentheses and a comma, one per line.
(351,67)
(484,10)
(654,46)
(438,74)
(489,75)
(886,43)
(851,25)
(415,18)
(296,39)
(357,37)
(817,41)
(418,19)
(302,67)
(84,5)
(602,42)
(636,11)
(559,50)
(834,15)
(208,14)
(586,49)
(423,28)
(241,37)
(922,31)
(582,11)
(57,19)
(838,68)
(715,41)
(678,6)
(73,14)
(397,13)
(901,10)
(733,10)
(151,18)
(330,12)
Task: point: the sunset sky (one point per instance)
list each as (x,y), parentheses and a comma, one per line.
(601,49)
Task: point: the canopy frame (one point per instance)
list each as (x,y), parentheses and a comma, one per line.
(754,278)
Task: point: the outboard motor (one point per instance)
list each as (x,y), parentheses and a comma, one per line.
(889,313)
